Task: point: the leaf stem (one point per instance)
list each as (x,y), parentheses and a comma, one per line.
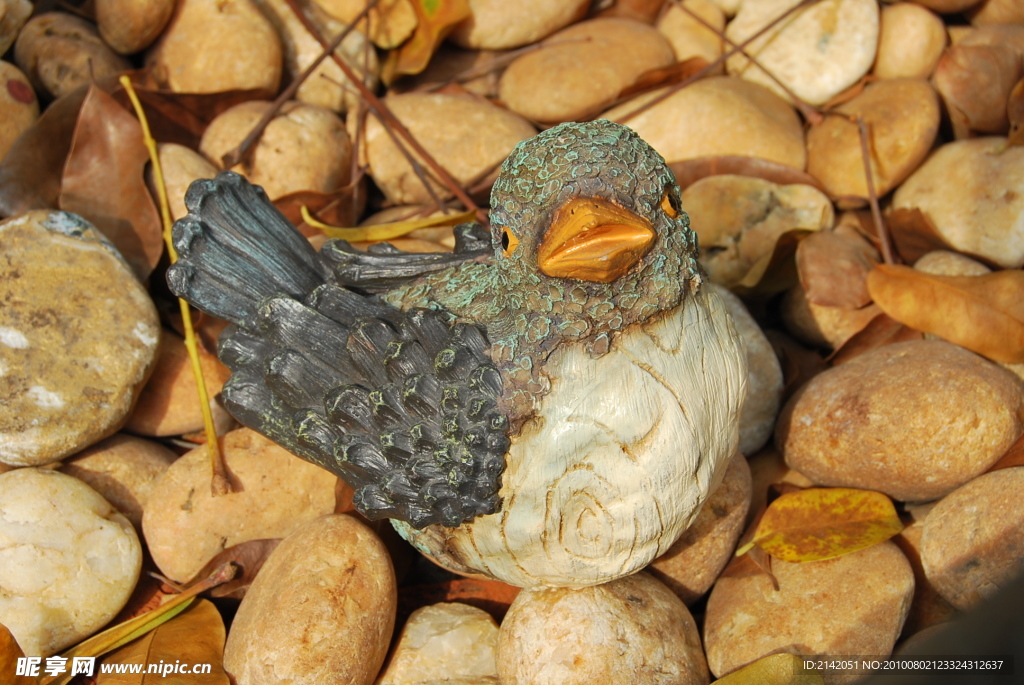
(876,212)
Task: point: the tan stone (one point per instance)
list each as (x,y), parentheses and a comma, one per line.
(72,359)
(732,116)
(1009,35)
(169,403)
(499,25)
(689,37)
(467,136)
(993,12)
(820,326)
(123,469)
(689,568)
(443,642)
(973,191)
(213,46)
(946,263)
(13,15)
(928,608)
(391,22)
(19,107)
(902,116)
(302,148)
(132,25)
(186,526)
(60,52)
(582,69)
(631,630)
(973,539)
(910,41)
(68,560)
(321,610)
(181,166)
(847,605)
(817,53)
(914,420)
(739,219)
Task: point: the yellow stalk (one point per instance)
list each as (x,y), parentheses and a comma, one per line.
(384,231)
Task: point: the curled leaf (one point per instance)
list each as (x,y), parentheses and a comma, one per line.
(821,523)
(689,171)
(777,669)
(881,331)
(983,313)
(833,268)
(436,19)
(248,556)
(776,270)
(10,652)
(914,234)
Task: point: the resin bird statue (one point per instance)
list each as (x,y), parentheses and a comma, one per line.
(550,404)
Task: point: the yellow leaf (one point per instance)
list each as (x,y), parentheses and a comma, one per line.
(436,19)
(777,669)
(194,637)
(384,231)
(983,313)
(821,523)
(10,652)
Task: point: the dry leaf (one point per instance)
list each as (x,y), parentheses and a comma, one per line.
(653,79)
(881,331)
(775,271)
(834,266)
(689,171)
(983,313)
(914,234)
(492,596)
(103,181)
(799,364)
(1013,457)
(646,11)
(248,557)
(196,636)
(777,669)
(822,523)
(436,20)
(974,81)
(10,652)
(1015,112)
(336,208)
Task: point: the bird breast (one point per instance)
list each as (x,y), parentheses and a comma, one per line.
(618,460)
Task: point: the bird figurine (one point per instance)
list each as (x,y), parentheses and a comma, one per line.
(550,404)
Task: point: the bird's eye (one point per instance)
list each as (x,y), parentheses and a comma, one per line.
(670,204)
(509,242)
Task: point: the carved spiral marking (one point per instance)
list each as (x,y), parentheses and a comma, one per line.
(579,522)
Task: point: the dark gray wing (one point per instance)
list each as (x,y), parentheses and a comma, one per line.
(402,405)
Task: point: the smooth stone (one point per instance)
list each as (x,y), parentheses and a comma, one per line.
(19,107)
(739,219)
(821,326)
(946,263)
(129,26)
(928,608)
(215,46)
(690,38)
(631,630)
(854,604)
(582,69)
(910,41)
(1008,35)
(321,610)
(817,53)
(733,116)
(500,25)
(902,116)
(72,359)
(914,420)
(186,525)
(123,469)
(68,560)
(764,376)
(690,566)
(467,136)
(973,539)
(304,147)
(13,15)
(443,642)
(973,191)
(181,165)
(169,403)
(996,12)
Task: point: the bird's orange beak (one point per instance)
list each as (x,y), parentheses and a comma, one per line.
(592,239)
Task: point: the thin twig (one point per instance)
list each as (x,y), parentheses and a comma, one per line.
(876,212)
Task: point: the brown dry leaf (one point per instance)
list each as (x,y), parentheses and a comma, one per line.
(983,313)
(492,596)
(914,234)
(974,81)
(822,523)
(193,638)
(777,669)
(248,557)
(689,171)
(1015,112)
(103,181)
(1013,457)
(754,561)
(436,20)
(799,364)
(881,331)
(653,79)
(834,266)
(646,11)
(30,172)
(10,652)
(775,271)
(335,208)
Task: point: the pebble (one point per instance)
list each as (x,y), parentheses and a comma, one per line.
(848,605)
(19,107)
(68,560)
(181,166)
(739,219)
(321,610)
(129,26)
(500,25)
(973,539)
(910,41)
(817,53)
(973,191)
(304,147)
(820,326)
(467,136)
(72,359)
(631,630)
(169,403)
(690,38)
(186,526)
(732,116)
(764,376)
(994,12)
(946,263)
(13,15)
(443,642)
(214,46)
(123,469)
(928,608)
(689,568)
(582,69)
(902,116)
(914,420)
